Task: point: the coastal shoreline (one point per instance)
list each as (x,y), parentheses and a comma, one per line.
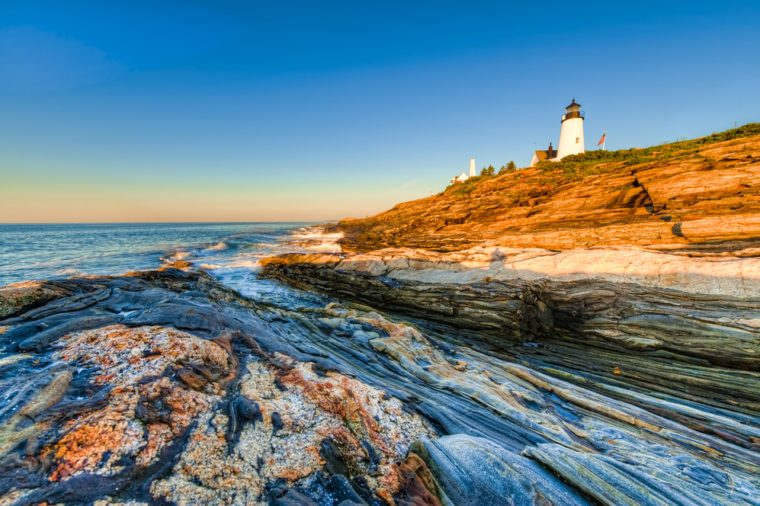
(413,358)
(238,375)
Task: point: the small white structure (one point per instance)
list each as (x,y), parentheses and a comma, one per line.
(571,141)
(541,155)
(461,178)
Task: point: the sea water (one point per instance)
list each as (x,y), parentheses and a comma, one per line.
(228,251)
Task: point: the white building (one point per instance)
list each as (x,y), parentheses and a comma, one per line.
(571,140)
(461,178)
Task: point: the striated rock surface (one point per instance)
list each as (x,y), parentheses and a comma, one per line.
(166,387)
(467,470)
(586,332)
(583,332)
(157,390)
(19,297)
(706,307)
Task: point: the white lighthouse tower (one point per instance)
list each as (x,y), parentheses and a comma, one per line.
(571,132)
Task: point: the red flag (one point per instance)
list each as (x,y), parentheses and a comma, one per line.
(601,141)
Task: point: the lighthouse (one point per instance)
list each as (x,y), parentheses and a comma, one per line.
(570,137)
(571,132)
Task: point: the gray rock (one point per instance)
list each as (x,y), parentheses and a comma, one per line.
(475,471)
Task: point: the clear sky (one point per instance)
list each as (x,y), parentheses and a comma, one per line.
(218,110)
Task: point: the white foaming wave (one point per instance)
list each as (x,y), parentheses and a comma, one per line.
(178,255)
(220,246)
(248,264)
(68,271)
(309,239)
(234,263)
(317,239)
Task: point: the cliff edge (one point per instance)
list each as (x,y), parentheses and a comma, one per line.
(701,193)
(645,250)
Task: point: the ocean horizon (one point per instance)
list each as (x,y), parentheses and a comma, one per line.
(46,251)
(528,290)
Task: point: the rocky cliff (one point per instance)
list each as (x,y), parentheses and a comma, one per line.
(624,299)
(698,193)
(586,332)
(643,249)
(635,272)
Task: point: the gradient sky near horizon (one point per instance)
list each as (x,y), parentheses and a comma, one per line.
(280,111)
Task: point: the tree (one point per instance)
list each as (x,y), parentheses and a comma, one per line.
(508,167)
(488,171)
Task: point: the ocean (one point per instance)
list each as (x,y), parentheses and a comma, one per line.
(228,251)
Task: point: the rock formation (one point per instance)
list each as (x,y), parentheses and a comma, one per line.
(693,308)
(166,386)
(581,333)
(626,284)
(687,194)
(154,387)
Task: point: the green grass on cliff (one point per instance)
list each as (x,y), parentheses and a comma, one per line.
(576,167)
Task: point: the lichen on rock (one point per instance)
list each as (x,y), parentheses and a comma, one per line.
(365,432)
(148,405)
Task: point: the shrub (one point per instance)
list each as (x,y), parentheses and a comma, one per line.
(508,167)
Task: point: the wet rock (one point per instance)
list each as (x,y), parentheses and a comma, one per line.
(43,335)
(241,411)
(23,424)
(472,471)
(128,427)
(334,461)
(276,421)
(70,304)
(20,297)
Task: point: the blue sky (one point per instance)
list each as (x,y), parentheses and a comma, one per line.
(162,111)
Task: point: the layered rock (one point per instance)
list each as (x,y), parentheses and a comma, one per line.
(19,297)
(117,403)
(166,386)
(704,307)
(470,471)
(590,336)
(613,327)
(701,192)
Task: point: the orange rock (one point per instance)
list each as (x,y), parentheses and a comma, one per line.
(97,440)
(386,496)
(416,485)
(676,194)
